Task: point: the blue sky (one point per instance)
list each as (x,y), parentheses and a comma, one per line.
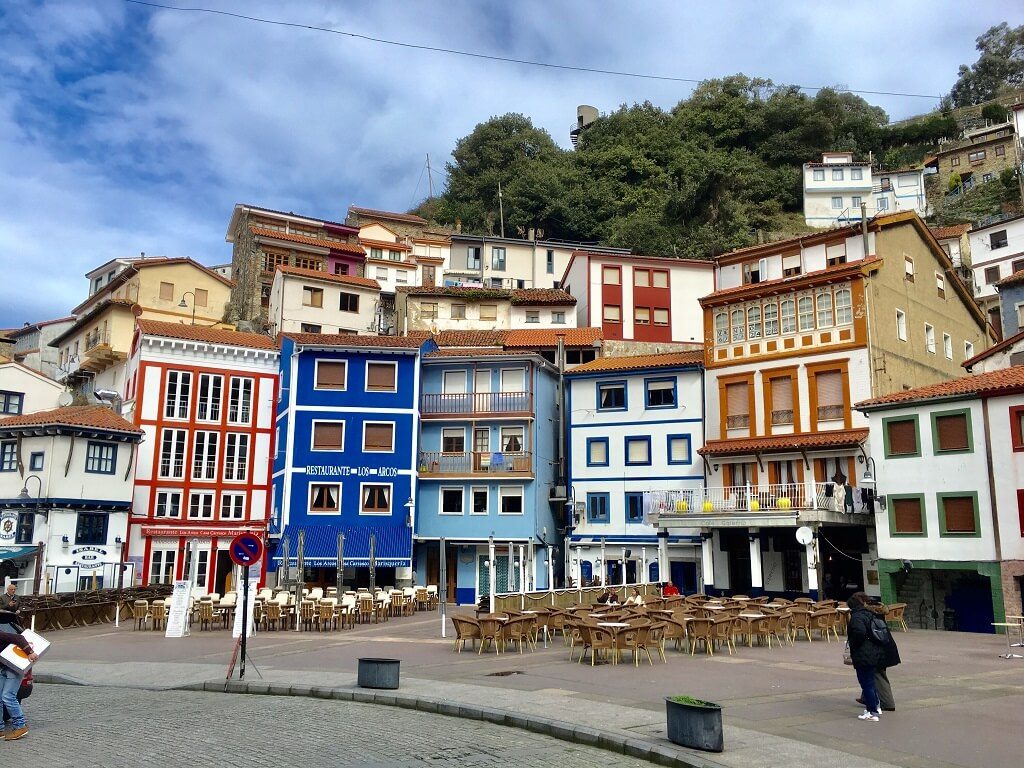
(125,128)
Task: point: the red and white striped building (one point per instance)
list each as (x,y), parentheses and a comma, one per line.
(204,397)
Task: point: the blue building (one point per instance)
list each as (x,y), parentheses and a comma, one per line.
(487,463)
(347,445)
(635,425)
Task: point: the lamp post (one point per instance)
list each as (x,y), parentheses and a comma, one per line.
(410,523)
(868,479)
(25,496)
(490,573)
(184,305)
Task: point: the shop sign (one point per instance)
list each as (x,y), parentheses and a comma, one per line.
(88,558)
(8,526)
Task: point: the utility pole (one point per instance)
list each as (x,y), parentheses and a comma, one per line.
(430,179)
(501,210)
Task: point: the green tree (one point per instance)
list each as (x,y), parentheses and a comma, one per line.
(1000,63)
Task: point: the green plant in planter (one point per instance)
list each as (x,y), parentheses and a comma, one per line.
(692,701)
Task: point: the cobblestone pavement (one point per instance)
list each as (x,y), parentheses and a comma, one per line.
(74,726)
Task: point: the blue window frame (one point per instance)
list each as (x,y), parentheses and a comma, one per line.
(634,507)
(597,451)
(8,456)
(611,396)
(101,458)
(597,507)
(679,449)
(638,451)
(35,461)
(660,393)
(11,402)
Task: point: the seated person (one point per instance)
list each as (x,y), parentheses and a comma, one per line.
(669,589)
(604,597)
(613,597)
(635,598)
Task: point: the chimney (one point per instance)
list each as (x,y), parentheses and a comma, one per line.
(531,234)
(864,229)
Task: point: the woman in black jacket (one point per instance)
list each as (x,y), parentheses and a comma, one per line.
(866,652)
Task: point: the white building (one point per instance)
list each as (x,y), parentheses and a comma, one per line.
(309,301)
(837,187)
(65,493)
(389,258)
(635,425)
(997,251)
(24,390)
(639,298)
(459,308)
(950,465)
(32,345)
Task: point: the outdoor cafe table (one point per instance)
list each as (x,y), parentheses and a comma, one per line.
(1009,648)
(748,620)
(1020,628)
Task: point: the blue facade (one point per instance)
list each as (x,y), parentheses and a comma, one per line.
(634,428)
(487,460)
(1010,297)
(347,442)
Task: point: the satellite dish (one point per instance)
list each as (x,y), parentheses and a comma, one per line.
(137,310)
(65,399)
(804,535)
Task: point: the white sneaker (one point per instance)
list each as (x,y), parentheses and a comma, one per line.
(866,715)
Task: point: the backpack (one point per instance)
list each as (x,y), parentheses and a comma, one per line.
(879,630)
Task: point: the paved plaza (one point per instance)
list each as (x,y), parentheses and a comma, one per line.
(958,703)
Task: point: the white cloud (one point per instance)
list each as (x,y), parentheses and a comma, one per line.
(124,129)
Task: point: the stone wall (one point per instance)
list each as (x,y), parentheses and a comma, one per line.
(627,348)
(1012,572)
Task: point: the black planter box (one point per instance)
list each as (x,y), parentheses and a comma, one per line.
(698,726)
(378,673)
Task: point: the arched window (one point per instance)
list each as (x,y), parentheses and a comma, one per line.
(805,305)
(771,319)
(737,325)
(754,322)
(721,328)
(824,301)
(788,311)
(844,307)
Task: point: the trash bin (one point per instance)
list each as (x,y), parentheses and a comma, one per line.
(378,673)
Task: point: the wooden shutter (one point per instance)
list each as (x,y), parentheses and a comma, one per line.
(379,437)
(830,388)
(782,400)
(380,376)
(328,436)
(736,399)
(959,513)
(902,436)
(907,514)
(330,374)
(952,432)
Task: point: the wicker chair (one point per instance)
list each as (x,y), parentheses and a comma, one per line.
(722,630)
(596,639)
(272,616)
(782,629)
(516,631)
(159,614)
(307,613)
(800,621)
(367,609)
(490,632)
(895,614)
(466,628)
(825,622)
(700,631)
(140,612)
(327,617)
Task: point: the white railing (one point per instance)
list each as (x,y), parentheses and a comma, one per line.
(746,499)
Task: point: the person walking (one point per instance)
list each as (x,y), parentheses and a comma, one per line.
(867,653)
(10,684)
(892,657)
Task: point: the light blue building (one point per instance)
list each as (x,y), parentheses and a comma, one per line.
(487,463)
(635,425)
(346,456)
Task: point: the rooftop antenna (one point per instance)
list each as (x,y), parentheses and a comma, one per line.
(501,210)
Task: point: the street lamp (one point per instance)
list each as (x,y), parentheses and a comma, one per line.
(868,479)
(25,496)
(184,305)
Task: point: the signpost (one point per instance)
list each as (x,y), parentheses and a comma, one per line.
(246,549)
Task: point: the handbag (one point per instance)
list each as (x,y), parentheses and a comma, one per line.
(847,657)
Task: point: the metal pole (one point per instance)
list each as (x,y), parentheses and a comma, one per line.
(490,567)
(300,567)
(604,566)
(522,577)
(245,619)
(193,573)
(340,577)
(511,570)
(373,563)
(643,565)
(442,588)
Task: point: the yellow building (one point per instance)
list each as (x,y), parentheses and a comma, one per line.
(168,289)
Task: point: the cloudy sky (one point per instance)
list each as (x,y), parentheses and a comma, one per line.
(127,128)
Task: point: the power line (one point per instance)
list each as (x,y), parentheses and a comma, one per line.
(490,57)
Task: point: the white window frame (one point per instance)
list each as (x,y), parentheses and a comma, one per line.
(532,316)
(507,490)
(173,402)
(207,470)
(207,498)
(968,350)
(244,399)
(440,500)
(837,202)
(213,405)
(473,491)
(237,458)
(316,375)
(901,325)
(312,435)
(856,174)
(309,500)
(366,373)
(391,500)
(232,499)
(180,440)
(501,379)
(947,346)
(169,493)
(818,174)
(929,338)
(393,426)
(168,560)
(837,174)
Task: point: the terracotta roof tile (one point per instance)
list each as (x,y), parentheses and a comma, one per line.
(840,438)
(548,337)
(542,296)
(205,334)
(476,352)
(1013,279)
(409,218)
(326,222)
(471,338)
(318,242)
(945,233)
(639,362)
(849,268)
(95,416)
(979,385)
(353,340)
(384,244)
(362,282)
(482,294)
(999,347)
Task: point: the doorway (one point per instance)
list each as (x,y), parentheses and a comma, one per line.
(221,582)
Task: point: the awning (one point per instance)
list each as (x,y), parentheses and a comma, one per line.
(795,443)
(393,546)
(13,553)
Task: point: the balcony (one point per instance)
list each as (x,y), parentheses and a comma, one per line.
(762,506)
(475,463)
(473,404)
(99,354)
